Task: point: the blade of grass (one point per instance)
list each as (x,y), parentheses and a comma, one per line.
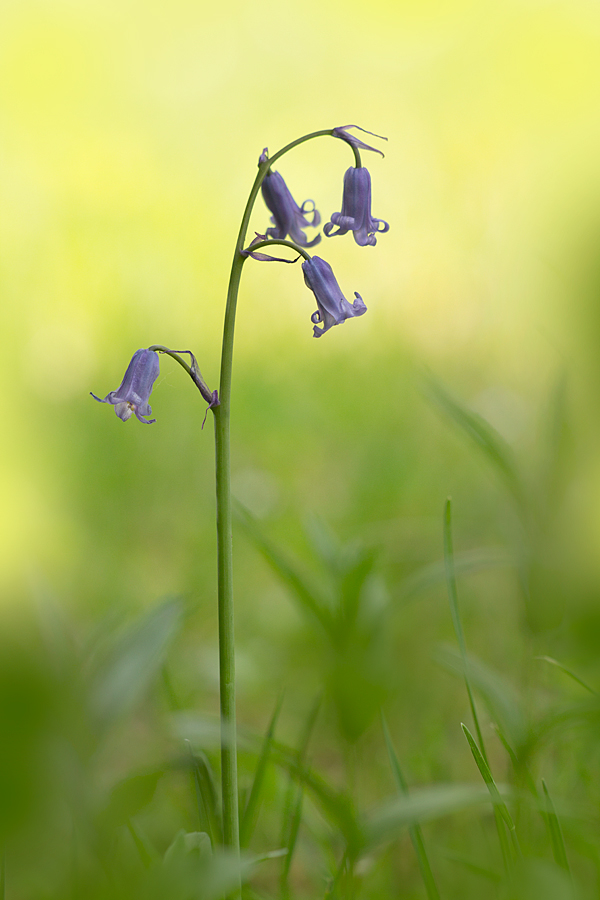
(485,437)
(172,698)
(423,805)
(293,830)
(519,765)
(556,835)
(250,813)
(336,805)
(270,854)
(292,811)
(416,835)
(146,853)
(498,694)
(453,597)
(132,662)
(331,893)
(569,672)
(207,797)
(505,743)
(473,867)
(130,796)
(499,804)
(307,593)
(478,560)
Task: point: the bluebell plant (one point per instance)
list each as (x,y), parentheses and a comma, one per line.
(289,222)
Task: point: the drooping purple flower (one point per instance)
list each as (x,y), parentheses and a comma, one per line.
(332,306)
(342,132)
(356,210)
(288,217)
(135,389)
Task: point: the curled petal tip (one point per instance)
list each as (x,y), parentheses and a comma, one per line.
(342,132)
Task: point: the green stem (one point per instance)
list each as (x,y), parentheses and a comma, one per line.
(260,245)
(224,515)
(192,370)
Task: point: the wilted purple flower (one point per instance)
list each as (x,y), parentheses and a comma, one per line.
(333,308)
(288,217)
(356,210)
(135,389)
(342,132)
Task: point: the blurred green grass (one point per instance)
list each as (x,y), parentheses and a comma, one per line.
(130,139)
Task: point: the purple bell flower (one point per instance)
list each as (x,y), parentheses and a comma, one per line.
(356,210)
(332,306)
(135,389)
(288,217)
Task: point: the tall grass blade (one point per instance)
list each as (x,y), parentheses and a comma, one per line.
(324,543)
(569,672)
(499,804)
(422,805)
(479,559)
(416,835)
(130,796)
(146,852)
(462,860)
(292,831)
(483,435)
(453,597)
(250,813)
(336,805)
(172,698)
(499,695)
(351,597)
(207,796)
(191,869)
(519,764)
(556,835)
(292,810)
(307,593)
(133,661)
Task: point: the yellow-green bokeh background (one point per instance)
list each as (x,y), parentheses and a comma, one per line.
(130,134)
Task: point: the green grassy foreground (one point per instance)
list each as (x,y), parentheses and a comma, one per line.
(110,766)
